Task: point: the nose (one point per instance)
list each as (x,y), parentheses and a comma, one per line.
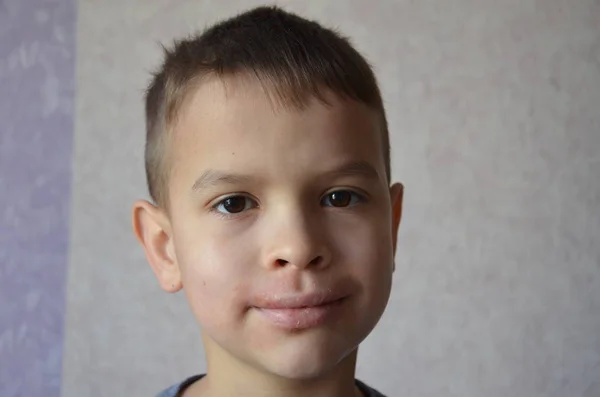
(296,240)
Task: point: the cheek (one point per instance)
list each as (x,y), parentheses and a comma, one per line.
(216,272)
(368,252)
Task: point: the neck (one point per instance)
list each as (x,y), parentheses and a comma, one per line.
(230,377)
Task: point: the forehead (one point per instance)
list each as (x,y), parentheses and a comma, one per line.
(237,123)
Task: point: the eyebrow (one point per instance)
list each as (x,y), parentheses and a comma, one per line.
(354,168)
(214,177)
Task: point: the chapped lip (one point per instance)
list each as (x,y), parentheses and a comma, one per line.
(300,301)
(301,312)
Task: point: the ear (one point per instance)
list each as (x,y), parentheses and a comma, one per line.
(152,229)
(397,196)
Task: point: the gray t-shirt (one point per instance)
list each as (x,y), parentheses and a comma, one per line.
(177,390)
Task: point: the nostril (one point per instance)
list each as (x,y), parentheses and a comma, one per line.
(282,262)
(314,262)
(317,260)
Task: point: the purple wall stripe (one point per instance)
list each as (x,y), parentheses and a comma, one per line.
(37,78)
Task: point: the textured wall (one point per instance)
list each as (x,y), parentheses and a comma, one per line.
(37,75)
(494,110)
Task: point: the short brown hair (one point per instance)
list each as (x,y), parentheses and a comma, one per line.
(292,57)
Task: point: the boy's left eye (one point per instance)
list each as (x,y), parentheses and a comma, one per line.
(341,198)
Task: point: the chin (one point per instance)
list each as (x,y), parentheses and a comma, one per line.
(306,359)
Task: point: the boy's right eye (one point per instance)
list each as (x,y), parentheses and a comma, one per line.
(234,205)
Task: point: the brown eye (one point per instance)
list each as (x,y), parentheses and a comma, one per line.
(234,205)
(341,198)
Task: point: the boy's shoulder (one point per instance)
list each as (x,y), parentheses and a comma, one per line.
(368,391)
(176,390)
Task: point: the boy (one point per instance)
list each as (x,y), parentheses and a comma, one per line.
(267,160)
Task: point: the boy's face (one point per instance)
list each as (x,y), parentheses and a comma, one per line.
(273,212)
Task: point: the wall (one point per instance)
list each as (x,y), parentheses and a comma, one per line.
(37,87)
(495,127)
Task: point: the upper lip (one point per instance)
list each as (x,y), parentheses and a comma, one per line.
(299,301)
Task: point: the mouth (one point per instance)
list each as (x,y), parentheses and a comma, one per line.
(301,312)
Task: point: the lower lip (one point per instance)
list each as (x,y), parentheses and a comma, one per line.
(301,318)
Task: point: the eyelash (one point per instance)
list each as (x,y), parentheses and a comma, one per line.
(214,208)
(359,198)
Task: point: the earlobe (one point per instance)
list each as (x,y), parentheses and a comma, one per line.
(151,227)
